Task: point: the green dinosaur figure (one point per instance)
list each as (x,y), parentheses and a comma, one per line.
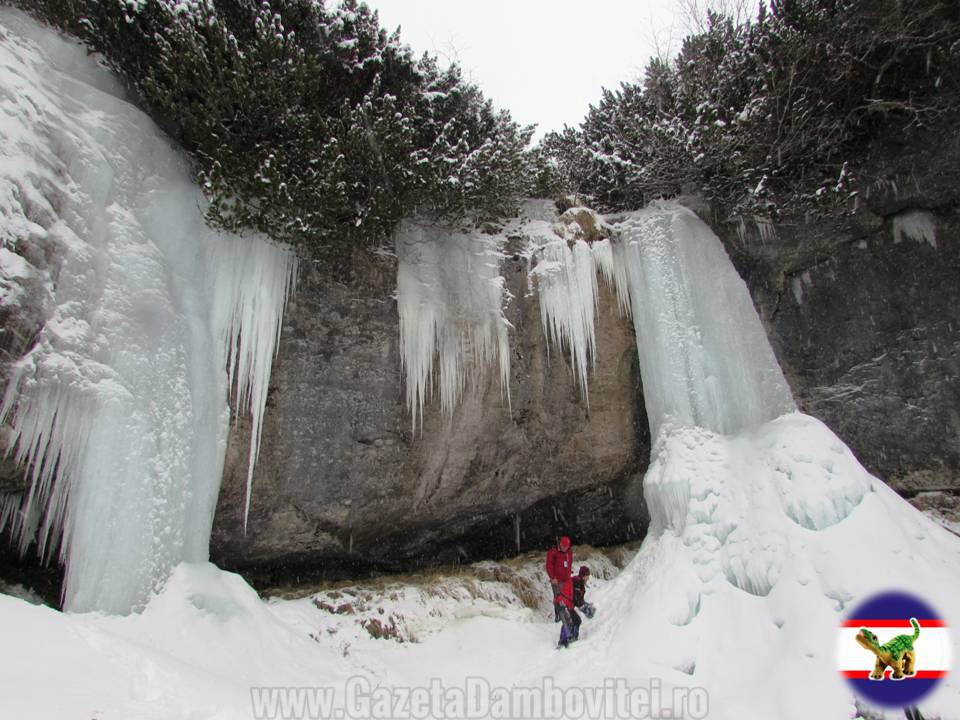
(898,653)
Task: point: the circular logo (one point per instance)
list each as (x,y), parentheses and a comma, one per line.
(893,649)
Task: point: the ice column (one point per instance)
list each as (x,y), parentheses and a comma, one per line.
(704,355)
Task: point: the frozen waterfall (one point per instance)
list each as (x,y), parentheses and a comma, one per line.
(764,527)
(120,410)
(704,354)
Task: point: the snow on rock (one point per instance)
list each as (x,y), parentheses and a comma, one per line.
(450,297)
(120,408)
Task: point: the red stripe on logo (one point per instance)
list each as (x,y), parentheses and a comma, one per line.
(921,674)
(870,622)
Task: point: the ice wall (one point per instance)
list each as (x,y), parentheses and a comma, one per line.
(704,355)
(450,297)
(120,409)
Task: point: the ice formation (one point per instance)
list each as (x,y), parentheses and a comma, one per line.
(120,409)
(567,289)
(450,297)
(918,225)
(704,355)
(763,525)
(564,269)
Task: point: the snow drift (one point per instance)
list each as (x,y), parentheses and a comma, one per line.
(120,408)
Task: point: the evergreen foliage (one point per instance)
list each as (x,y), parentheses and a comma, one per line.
(308,123)
(766,114)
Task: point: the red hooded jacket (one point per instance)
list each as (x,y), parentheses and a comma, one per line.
(559,564)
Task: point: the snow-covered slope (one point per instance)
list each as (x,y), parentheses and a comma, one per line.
(120,407)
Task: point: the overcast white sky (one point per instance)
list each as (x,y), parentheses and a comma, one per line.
(544,60)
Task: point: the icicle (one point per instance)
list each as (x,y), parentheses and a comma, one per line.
(253,286)
(567,287)
(614,272)
(10,511)
(450,297)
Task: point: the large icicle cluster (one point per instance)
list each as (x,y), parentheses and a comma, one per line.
(120,409)
(566,278)
(254,280)
(564,268)
(450,297)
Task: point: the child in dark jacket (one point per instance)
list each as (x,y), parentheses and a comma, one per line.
(572,597)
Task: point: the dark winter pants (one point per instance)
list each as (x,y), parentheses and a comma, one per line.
(571,624)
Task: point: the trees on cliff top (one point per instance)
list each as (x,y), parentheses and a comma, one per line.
(765,114)
(313,125)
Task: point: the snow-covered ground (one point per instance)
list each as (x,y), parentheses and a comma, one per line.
(207,639)
(207,647)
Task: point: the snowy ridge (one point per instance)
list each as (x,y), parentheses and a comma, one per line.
(450,297)
(120,410)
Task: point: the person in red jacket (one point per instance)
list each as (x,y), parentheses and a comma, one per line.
(559,569)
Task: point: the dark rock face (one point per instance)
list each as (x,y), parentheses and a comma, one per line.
(13,479)
(344,484)
(863,312)
(865,318)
